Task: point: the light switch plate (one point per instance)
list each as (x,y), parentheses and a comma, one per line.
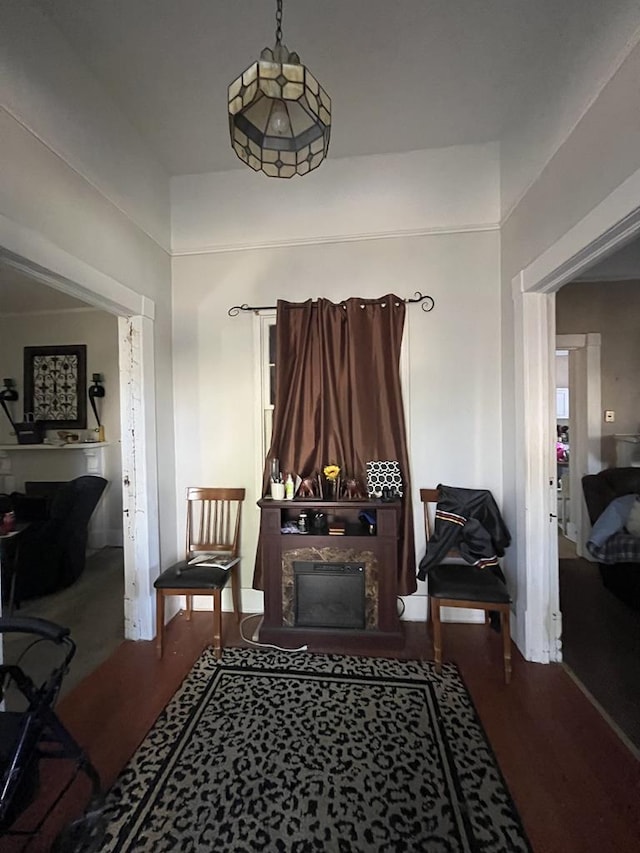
(609,416)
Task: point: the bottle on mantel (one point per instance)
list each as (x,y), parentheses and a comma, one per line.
(288,488)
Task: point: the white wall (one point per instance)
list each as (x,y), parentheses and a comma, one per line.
(99,331)
(600,159)
(78,188)
(454,351)
(612,309)
(601,153)
(601,42)
(598,156)
(45,87)
(357,197)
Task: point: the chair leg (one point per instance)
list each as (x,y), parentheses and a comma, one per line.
(437,633)
(159,621)
(217,623)
(188,606)
(505,627)
(235,591)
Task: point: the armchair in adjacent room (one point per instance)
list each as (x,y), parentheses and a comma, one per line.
(50,554)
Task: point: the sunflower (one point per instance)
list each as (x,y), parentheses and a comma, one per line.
(331,472)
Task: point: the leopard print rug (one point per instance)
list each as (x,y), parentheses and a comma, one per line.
(296,752)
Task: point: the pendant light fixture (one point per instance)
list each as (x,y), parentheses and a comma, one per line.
(279,115)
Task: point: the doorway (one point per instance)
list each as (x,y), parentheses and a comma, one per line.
(138,426)
(577,371)
(601,632)
(609,226)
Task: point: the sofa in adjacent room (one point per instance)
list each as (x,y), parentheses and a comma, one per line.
(609,496)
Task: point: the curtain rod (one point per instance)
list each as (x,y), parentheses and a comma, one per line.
(427,303)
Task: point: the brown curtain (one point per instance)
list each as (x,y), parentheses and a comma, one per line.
(339,400)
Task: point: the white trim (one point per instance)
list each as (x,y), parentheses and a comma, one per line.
(139,474)
(62,271)
(434,231)
(535,478)
(28,251)
(252,601)
(567,342)
(612,222)
(590,279)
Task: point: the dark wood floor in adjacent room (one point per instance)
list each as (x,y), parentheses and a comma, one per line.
(576,785)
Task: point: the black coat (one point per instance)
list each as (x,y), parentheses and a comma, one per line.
(469,521)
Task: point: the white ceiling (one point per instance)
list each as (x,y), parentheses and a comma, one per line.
(402,75)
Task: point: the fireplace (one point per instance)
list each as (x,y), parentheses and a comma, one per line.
(328,582)
(329,595)
(332,591)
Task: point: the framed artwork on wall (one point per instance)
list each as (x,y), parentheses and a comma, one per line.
(55,385)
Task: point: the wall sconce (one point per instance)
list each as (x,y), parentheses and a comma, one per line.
(96,391)
(8,394)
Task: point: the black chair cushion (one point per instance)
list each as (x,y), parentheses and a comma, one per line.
(463,582)
(183,576)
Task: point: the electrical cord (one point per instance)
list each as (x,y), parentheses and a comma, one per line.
(265,645)
(404,606)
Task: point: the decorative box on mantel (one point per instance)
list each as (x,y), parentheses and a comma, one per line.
(334,591)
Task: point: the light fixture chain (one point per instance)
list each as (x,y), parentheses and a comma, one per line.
(279,22)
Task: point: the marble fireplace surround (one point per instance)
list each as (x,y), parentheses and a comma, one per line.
(334,554)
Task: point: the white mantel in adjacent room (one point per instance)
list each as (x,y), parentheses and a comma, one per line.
(22,463)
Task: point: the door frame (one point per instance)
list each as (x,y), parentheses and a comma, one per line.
(37,257)
(612,223)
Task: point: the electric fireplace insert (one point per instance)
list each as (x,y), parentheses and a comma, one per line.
(329,595)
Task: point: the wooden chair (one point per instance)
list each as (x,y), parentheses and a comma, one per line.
(463,585)
(213,526)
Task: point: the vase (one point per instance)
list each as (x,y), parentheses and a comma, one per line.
(333,489)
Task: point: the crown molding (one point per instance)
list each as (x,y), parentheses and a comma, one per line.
(435,231)
(36,256)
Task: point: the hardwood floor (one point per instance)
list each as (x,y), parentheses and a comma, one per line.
(601,644)
(575,784)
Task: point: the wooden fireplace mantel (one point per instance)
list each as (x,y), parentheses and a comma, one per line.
(379,552)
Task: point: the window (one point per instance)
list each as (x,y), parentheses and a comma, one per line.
(267,379)
(562,403)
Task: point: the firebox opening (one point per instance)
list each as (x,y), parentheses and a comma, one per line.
(329,595)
